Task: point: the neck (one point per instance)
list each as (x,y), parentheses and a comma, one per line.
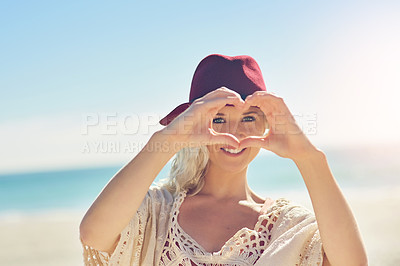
(220,184)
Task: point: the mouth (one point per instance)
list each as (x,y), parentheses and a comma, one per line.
(233,152)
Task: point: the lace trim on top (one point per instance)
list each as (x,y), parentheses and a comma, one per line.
(244,248)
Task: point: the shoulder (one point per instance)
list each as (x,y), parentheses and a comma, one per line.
(290,214)
(286,206)
(276,206)
(286,209)
(157,198)
(294,210)
(159,194)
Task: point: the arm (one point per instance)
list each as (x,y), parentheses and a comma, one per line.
(122,196)
(339,233)
(338,228)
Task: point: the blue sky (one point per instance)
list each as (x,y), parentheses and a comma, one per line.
(63,60)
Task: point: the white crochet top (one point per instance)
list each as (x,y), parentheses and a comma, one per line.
(285,234)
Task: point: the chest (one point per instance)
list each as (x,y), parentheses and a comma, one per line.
(211,226)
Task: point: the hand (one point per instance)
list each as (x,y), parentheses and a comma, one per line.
(193,127)
(285,138)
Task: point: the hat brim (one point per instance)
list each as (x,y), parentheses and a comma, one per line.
(174,113)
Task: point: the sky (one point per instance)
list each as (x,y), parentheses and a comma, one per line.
(83,83)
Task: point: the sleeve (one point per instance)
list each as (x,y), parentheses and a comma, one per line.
(128,249)
(306,235)
(295,240)
(313,252)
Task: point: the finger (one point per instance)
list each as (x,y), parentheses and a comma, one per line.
(265,106)
(261,98)
(273,107)
(215,104)
(253,141)
(272,95)
(221,92)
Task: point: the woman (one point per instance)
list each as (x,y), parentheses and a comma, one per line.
(206,214)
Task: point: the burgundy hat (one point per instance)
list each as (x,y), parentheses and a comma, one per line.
(238,73)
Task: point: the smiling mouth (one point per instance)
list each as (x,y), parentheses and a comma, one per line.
(233,151)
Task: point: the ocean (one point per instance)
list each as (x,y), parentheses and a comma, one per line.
(76,189)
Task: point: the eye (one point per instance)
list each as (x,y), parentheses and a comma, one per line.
(249,119)
(218,120)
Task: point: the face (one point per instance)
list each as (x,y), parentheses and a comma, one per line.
(241,124)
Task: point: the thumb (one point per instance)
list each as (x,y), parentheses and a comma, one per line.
(224,138)
(259,142)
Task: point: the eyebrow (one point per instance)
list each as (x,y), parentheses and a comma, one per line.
(247,113)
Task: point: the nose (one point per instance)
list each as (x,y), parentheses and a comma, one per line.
(241,131)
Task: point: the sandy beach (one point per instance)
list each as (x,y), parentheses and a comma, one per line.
(52,238)
(41,239)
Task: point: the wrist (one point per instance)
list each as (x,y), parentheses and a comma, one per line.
(175,141)
(312,156)
(162,143)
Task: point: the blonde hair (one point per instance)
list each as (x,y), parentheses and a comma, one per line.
(187,171)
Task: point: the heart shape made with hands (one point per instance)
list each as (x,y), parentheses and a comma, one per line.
(247,123)
(235,126)
(261,121)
